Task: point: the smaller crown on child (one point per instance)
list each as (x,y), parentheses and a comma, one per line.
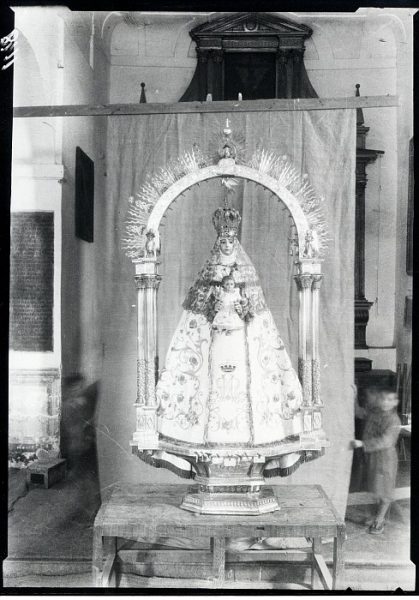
(226,221)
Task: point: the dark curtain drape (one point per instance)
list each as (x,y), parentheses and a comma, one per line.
(320,143)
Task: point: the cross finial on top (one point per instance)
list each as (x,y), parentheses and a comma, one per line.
(227,130)
(227,148)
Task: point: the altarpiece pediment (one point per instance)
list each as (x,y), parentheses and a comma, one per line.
(255,55)
(251,23)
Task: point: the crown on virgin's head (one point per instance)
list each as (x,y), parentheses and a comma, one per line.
(226,221)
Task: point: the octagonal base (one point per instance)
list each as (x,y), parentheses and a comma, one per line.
(231,502)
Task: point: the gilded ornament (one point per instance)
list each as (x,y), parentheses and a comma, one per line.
(317,281)
(305,375)
(303,281)
(316,381)
(151,281)
(152,247)
(311,244)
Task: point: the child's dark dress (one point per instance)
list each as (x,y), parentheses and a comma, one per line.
(381,432)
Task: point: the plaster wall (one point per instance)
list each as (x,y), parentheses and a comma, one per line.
(81,307)
(345,49)
(54,65)
(35,377)
(37,81)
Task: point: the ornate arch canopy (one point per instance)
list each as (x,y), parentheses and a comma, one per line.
(273,172)
(228,168)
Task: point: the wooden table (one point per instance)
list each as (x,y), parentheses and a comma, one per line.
(145,512)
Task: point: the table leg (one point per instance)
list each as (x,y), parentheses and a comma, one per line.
(316,549)
(97,561)
(338,561)
(108,574)
(218,547)
(103,548)
(320,565)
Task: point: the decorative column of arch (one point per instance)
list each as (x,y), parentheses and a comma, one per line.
(315,286)
(308,280)
(147,279)
(304,281)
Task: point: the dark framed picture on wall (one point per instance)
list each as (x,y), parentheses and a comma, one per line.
(84,203)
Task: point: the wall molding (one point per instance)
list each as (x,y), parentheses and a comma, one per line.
(38,171)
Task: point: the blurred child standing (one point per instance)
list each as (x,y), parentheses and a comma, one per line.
(381,431)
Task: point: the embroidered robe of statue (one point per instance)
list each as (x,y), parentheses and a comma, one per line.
(228,386)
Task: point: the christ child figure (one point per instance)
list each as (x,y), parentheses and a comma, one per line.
(228,306)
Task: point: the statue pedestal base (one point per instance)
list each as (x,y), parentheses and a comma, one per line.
(231,502)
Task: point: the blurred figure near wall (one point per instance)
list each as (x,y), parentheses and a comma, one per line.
(78,438)
(379,438)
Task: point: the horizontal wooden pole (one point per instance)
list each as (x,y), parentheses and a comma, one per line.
(161,108)
(170,557)
(129,580)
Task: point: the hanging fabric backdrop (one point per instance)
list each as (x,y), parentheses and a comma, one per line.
(320,143)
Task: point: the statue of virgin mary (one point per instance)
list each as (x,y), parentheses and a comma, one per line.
(227,380)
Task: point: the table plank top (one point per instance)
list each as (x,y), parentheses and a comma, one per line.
(142,510)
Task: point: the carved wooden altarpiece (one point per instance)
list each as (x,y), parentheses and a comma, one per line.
(364,157)
(256,54)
